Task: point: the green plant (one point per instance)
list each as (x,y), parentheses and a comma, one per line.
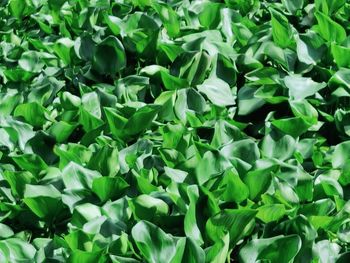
(174,131)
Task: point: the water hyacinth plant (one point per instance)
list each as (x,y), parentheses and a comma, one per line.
(175,131)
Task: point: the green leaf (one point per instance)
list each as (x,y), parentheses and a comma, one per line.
(109,57)
(329,6)
(218,252)
(339,156)
(267,249)
(109,187)
(138,122)
(217,91)
(63,48)
(44,201)
(341,55)
(31,61)
(188,99)
(141,119)
(146,207)
(17,8)
(343,233)
(187,249)
(341,77)
(310,47)
(305,111)
(6,231)
(84,213)
(232,221)
(210,166)
(209,17)
(342,121)
(193,67)
(155,245)
(223,68)
(271,212)
(18,181)
(301,88)
(278,145)
(30,162)
(190,222)
(55,5)
(33,113)
(330,30)
(243,6)
(247,101)
(326,249)
(15,249)
(258,181)
(116,122)
(246,150)
(78,256)
(281,29)
(293,5)
(234,189)
(169,18)
(113,23)
(61,130)
(105,161)
(77,177)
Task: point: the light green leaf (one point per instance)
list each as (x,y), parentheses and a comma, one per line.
(341,55)
(155,245)
(217,91)
(77,177)
(330,30)
(271,212)
(301,87)
(109,187)
(232,221)
(31,61)
(281,29)
(169,18)
(267,249)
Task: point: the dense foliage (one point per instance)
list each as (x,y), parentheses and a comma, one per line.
(174,131)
